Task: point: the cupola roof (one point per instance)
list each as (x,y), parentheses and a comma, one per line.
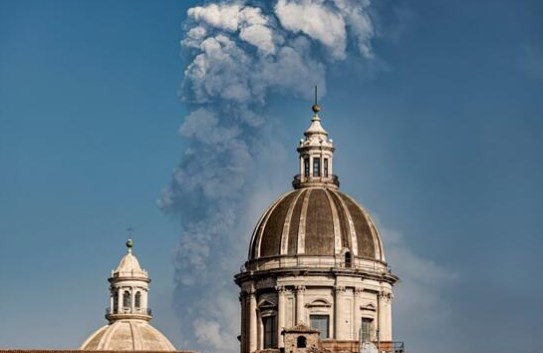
(129,265)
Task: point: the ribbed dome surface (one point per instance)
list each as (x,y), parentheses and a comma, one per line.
(315,221)
(128,335)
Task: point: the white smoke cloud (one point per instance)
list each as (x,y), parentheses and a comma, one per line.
(316,20)
(240,53)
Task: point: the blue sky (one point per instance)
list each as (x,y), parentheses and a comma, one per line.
(439,136)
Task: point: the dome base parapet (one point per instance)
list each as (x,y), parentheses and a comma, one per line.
(256,275)
(121,316)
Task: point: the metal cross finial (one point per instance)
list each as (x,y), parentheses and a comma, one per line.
(130,230)
(316,94)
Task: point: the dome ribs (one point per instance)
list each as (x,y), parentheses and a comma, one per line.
(295,224)
(338,243)
(287,225)
(319,227)
(271,237)
(315,221)
(366,246)
(343,222)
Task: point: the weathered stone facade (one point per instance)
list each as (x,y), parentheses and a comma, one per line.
(315,260)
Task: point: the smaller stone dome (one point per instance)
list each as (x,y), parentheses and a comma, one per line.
(128,335)
(129,264)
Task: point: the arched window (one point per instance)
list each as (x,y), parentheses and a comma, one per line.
(138,300)
(316,167)
(126,299)
(115,302)
(326,167)
(306,166)
(301,342)
(348,259)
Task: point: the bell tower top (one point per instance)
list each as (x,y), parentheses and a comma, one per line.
(129,288)
(316,154)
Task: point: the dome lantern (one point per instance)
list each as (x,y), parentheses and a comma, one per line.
(316,154)
(128,314)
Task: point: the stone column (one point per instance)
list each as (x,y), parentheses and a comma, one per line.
(356,312)
(119,300)
(385,316)
(132,299)
(243,334)
(252,322)
(339,333)
(281,292)
(300,318)
(144,300)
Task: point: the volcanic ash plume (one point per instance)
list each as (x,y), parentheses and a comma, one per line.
(239,54)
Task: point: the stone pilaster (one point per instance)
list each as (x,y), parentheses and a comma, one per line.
(243,323)
(300,312)
(339,333)
(252,322)
(281,311)
(357,300)
(385,316)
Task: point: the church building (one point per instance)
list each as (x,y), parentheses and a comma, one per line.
(316,269)
(315,280)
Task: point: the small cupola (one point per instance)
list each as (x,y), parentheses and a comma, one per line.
(316,155)
(129,287)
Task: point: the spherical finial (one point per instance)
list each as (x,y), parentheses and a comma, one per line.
(316,108)
(129,243)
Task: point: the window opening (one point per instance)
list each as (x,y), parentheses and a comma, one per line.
(138,300)
(320,323)
(316,167)
(126,299)
(306,167)
(270,332)
(348,259)
(366,329)
(301,342)
(326,167)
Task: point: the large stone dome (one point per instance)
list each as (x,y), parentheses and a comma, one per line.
(128,335)
(315,221)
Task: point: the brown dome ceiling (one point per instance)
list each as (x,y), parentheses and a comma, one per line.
(315,221)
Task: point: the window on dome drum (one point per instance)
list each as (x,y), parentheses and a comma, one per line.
(270,331)
(320,323)
(366,329)
(126,299)
(326,167)
(348,259)
(301,342)
(316,167)
(137,302)
(306,167)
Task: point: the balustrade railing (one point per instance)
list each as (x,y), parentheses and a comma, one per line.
(316,261)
